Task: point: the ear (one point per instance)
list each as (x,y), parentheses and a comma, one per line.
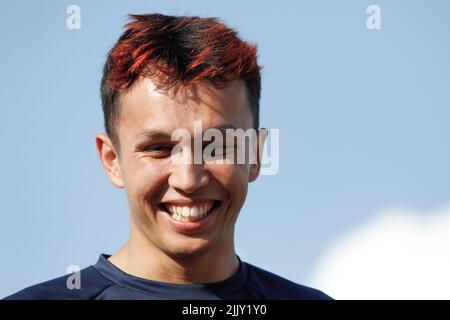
(255,167)
(109,159)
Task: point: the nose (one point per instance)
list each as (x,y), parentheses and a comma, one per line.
(188,178)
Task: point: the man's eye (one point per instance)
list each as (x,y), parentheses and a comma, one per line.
(221,148)
(159,149)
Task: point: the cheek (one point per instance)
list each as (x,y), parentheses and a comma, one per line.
(143,178)
(234,178)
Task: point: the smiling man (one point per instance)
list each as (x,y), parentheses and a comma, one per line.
(164,74)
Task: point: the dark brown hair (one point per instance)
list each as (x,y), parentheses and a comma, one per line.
(183,50)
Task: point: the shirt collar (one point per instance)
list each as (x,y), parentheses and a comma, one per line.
(221,289)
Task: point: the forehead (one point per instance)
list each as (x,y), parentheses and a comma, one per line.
(146,107)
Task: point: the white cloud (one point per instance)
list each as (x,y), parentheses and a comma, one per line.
(398,254)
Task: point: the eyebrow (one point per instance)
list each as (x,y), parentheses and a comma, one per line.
(158,134)
(151,134)
(224,127)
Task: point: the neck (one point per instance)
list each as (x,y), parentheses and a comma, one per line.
(141,258)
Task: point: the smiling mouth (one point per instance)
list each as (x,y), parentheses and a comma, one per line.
(191,212)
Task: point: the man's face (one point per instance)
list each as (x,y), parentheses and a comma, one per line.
(159,188)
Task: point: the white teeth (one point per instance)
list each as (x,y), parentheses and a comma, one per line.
(184,213)
(194,212)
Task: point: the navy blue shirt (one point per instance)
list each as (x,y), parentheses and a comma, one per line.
(104,281)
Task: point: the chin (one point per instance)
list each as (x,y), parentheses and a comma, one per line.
(189,249)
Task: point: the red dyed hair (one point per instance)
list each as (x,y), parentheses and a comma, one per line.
(177,51)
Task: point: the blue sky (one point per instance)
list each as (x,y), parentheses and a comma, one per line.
(363,117)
